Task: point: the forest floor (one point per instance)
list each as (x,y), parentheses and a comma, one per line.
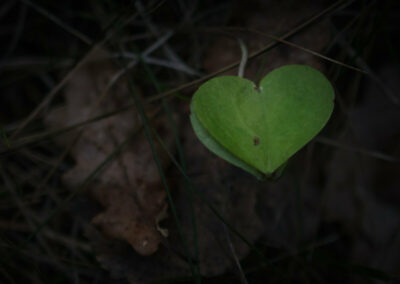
(102,179)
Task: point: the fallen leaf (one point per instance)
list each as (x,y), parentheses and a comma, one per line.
(129,187)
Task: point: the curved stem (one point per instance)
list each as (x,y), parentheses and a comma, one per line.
(243,61)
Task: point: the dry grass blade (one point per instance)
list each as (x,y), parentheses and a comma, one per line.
(361,63)
(370,153)
(86,173)
(6,7)
(235,257)
(58,22)
(49,97)
(253,54)
(50,234)
(301,48)
(17,33)
(172,56)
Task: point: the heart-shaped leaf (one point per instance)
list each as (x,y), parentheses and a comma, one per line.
(260,128)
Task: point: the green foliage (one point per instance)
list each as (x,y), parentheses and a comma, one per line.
(259,128)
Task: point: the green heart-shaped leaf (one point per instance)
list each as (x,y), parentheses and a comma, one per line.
(259,128)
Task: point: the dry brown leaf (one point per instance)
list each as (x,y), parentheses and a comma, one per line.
(129,187)
(127,220)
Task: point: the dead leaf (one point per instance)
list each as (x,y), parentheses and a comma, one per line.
(129,187)
(125,219)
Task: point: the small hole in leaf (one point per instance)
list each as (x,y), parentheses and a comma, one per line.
(257,88)
(256,141)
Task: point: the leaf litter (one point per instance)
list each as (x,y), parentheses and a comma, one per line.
(275,214)
(129,189)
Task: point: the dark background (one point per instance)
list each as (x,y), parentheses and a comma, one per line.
(66,209)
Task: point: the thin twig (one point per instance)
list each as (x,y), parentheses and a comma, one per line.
(49,97)
(167,50)
(373,154)
(58,22)
(60,238)
(57,88)
(6,8)
(252,55)
(360,62)
(17,33)
(192,83)
(301,48)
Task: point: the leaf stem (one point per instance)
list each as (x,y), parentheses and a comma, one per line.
(243,60)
